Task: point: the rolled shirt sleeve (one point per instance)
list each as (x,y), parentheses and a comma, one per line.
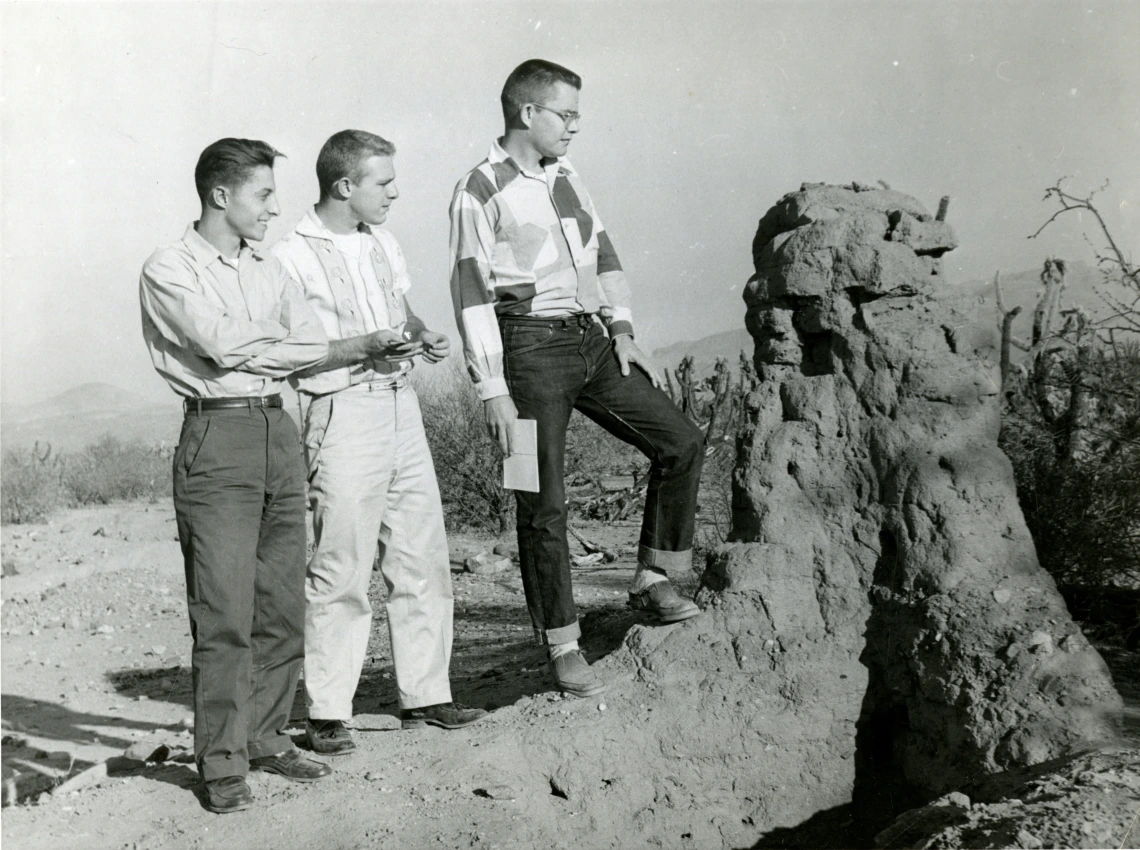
(473,295)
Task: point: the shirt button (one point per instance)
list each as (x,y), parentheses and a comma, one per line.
(309,278)
(346,304)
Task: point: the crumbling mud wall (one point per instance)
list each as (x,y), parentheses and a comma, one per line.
(880,628)
(871,494)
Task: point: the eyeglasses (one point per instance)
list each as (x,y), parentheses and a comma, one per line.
(567,117)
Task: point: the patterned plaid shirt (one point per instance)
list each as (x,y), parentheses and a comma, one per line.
(527,245)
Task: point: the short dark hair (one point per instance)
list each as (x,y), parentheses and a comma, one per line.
(529,82)
(344,153)
(230,162)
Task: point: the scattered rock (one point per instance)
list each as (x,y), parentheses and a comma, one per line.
(507,551)
(496,792)
(143,751)
(487,563)
(1041,643)
(954,798)
(590,560)
(1001,596)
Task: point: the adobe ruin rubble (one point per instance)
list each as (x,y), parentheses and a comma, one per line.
(879,630)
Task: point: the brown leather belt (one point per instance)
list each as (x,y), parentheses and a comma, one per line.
(198,405)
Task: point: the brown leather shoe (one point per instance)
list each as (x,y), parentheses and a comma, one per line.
(329,737)
(445,715)
(292,765)
(662,601)
(574,676)
(228,794)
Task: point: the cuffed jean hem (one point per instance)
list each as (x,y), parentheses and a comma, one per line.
(665,560)
(565,634)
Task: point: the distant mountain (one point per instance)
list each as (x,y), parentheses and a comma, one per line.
(82,415)
(706,350)
(86,398)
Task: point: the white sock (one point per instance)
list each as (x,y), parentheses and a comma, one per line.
(645,576)
(557,650)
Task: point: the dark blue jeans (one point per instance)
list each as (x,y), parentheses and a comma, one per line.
(552,367)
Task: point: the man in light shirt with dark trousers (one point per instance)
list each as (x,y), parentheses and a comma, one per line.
(225,326)
(543,307)
(372,483)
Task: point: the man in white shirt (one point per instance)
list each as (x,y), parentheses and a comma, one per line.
(371,478)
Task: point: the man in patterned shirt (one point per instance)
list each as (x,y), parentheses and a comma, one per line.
(543,308)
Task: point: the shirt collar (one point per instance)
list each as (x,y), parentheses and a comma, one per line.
(499,155)
(205,253)
(311,225)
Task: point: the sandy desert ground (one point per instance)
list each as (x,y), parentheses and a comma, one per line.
(95,669)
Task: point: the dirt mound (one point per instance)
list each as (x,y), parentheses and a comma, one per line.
(882,628)
(1089,800)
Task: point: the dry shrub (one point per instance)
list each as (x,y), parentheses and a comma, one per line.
(35,485)
(30,491)
(468,465)
(113,471)
(1083,509)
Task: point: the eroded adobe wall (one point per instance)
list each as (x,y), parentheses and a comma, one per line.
(870,474)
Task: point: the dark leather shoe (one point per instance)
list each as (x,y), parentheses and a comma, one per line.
(574,676)
(292,765)
(662,601)
(228,794)
(329,737)
(446,715)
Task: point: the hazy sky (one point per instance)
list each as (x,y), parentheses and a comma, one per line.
(698,116)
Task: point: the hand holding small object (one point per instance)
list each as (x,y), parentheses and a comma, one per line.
(436,346)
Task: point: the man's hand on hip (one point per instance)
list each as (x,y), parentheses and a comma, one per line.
(627,352)
(436,346)
(501,415)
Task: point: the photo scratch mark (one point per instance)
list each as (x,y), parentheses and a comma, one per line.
(247,49)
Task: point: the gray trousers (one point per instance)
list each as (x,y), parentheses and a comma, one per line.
(239,496)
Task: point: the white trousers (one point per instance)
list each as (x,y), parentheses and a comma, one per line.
(372,483)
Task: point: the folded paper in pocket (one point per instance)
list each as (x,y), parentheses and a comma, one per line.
(520,468)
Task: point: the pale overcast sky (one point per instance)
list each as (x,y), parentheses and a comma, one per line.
(698,116)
